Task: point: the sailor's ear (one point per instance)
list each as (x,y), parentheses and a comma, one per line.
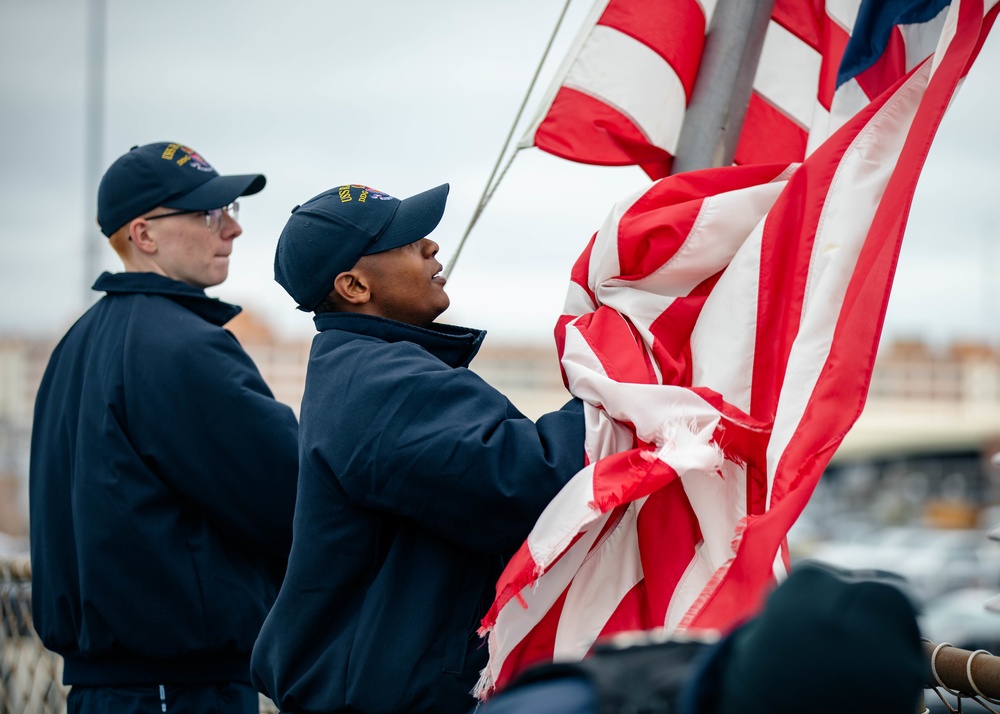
(352,287)
(140,235)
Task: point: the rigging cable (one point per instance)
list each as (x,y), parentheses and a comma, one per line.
(491,187)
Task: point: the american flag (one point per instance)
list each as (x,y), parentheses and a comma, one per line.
(721,327)
(621,95)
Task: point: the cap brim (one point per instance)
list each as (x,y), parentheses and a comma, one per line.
(416,217)
(217,192)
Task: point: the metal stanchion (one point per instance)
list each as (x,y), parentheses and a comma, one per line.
(967,674)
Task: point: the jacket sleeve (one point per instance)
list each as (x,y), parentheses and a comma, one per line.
(442,447)
(206,422)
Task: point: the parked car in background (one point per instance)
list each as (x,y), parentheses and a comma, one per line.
(934,561)
(961,618)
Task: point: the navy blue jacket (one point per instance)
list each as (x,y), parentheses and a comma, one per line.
(162,489)
(416,480)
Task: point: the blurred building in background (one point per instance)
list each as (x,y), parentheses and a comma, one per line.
(22,362)
(920,452)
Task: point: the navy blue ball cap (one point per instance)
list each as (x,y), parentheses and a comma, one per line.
(165,174)
(330,232)
(825,633)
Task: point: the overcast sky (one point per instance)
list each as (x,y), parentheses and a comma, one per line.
(400,95)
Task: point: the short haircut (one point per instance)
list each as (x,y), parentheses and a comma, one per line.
(326,305)
(120,240)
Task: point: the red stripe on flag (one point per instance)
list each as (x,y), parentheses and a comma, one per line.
(988,21)
(628,476)
(769,135)
(580,273)
(835,39)
(657,224)
(535,647)
(647,237)
(786,250)
(521,571)
(889,67)
(581,128)
(672,334)
(560,339)
(613,340)
(632,613)
(803,18)
(668,536)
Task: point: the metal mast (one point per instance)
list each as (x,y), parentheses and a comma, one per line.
(93,140)
(721,93)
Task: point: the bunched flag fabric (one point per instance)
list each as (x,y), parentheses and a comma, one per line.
(721,328)
(621,95)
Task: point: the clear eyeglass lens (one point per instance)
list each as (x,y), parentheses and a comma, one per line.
(213,217)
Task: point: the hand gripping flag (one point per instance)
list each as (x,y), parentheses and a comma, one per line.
(721,328)
(621,95)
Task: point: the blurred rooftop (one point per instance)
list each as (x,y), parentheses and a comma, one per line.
(923,399)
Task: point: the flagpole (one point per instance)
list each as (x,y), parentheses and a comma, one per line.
(722,90)
(94,144)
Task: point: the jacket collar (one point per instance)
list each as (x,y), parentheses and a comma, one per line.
(194,299)
(453,345)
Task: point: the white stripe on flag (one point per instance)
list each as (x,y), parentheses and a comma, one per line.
(923,38)
(848,100)
(723,340)
(627,75)
(568,514)
(692,583)
(515,622)
(787,74)
(844,13)
(592,596)
(578,300)
(593,15)
(604,257)
(852,200)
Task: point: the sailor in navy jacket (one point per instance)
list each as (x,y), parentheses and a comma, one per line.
(162,470)
(417,478)
(162,489)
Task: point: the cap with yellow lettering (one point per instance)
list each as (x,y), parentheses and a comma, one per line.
(327,235)
(165,174)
